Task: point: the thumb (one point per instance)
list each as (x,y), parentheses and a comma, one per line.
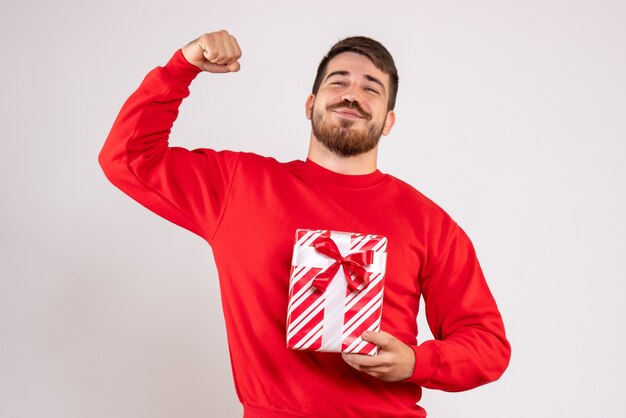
(234,67)
(381,339)
(220,68)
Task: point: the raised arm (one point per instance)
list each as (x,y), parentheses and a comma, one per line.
(186,187)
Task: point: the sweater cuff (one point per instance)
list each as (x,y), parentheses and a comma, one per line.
(427,361)
(179,68)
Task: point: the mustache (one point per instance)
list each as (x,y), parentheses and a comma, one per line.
(346,104)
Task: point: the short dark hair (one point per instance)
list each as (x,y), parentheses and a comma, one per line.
(370,48)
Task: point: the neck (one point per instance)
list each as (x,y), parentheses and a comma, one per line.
(359,164)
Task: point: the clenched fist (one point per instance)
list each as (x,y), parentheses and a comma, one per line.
(215,52)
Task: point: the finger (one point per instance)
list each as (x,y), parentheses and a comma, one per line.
(210,47)
(222,51)
(215,68)
(373,370)
(381,339)
(226,51)
(230,50)
(235,46)
(364,361)
(220,68)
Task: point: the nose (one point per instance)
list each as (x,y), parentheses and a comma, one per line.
(351,93)
(349,97)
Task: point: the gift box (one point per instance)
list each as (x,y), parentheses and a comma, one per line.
(336,290)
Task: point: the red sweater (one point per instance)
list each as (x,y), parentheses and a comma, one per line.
(247,207)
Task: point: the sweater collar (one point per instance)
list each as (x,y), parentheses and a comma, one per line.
(326,177)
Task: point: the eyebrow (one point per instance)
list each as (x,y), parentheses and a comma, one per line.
(367,76)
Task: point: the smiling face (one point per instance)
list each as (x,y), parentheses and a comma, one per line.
(350,112)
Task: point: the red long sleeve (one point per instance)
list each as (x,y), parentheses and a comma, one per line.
(248,208)
(185,187)
(470,346)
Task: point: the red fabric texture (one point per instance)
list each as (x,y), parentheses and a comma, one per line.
(247,207)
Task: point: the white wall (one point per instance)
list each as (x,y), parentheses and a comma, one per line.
(511,115)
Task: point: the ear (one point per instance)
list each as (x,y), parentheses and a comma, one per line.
(389,122)
(308,108)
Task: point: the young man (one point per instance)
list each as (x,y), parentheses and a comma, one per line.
(248,208)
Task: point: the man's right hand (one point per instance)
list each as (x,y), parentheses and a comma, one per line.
(215,52)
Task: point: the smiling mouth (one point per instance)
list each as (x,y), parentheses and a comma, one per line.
(349,113)
(349,110)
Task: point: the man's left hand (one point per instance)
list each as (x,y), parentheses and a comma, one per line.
(395,360)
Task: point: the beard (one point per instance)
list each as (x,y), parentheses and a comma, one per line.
(340,138)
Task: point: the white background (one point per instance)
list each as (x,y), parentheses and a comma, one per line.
(511,115)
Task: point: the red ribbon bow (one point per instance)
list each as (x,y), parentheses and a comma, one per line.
(353,265)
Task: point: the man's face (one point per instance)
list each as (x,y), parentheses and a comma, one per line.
(349,112)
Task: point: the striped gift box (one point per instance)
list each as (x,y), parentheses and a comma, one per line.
(335,290)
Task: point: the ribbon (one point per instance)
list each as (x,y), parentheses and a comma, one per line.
(353,265)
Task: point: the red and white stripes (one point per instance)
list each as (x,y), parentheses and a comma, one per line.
(333,320)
